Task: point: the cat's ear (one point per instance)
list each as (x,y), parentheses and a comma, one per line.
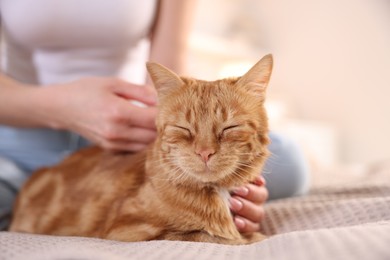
(164,79)
(255,81)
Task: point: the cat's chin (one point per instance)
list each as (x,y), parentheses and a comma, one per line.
(205,176)
(212,177)
(216,175)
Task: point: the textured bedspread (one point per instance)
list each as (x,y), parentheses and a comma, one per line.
(346,219)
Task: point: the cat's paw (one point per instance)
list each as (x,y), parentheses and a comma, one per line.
(253,237)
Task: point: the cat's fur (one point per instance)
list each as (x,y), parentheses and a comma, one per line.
(212,137)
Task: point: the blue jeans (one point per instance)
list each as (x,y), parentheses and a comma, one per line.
(286,170)
(24,150)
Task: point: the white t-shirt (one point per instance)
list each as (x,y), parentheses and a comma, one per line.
(56,41)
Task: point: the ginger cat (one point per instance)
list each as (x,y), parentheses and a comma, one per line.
(212,137)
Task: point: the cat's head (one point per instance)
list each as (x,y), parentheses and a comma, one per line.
(212,132)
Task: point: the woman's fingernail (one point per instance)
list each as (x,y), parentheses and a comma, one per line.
(260,181)
(240,224)
(242,191)
(235,204)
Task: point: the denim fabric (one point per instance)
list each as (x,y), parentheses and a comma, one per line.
(35,148)
(286,170)
(11,179)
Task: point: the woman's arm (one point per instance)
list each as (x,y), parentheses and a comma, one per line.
(170,35)
(97,108)
(20,104)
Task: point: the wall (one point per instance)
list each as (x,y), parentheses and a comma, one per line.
(332,61)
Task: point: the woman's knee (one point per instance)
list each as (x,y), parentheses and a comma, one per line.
(11,179)
(286,170)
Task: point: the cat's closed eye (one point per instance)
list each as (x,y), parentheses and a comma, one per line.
(235,133)
(177,134)
(183,129)
(229,128)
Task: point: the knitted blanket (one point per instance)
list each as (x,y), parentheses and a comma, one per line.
(346,219)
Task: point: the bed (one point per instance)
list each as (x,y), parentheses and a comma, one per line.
(346,215)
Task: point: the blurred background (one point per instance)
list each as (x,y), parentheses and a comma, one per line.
(330,88)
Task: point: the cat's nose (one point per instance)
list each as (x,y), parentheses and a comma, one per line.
(205,153)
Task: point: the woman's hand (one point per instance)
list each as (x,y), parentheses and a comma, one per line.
(100,110)
(247,203)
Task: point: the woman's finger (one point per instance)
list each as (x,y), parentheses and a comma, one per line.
(145,94)
(259,181)
(123,146)
(244,225)
(252,192)
(144,117)
(246,209)
(124,133)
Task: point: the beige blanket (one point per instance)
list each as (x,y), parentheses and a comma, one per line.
(345,218)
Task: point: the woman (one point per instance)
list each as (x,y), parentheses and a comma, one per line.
(66,79)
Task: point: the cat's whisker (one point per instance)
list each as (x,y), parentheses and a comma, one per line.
(181,177)
(248,166)
(177,177)
(161,161)
(248,169)
(185,175)
(243,170)
(251,153)
(274,158)
(174,176)
(236,175)
(169,178)
(165,159)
